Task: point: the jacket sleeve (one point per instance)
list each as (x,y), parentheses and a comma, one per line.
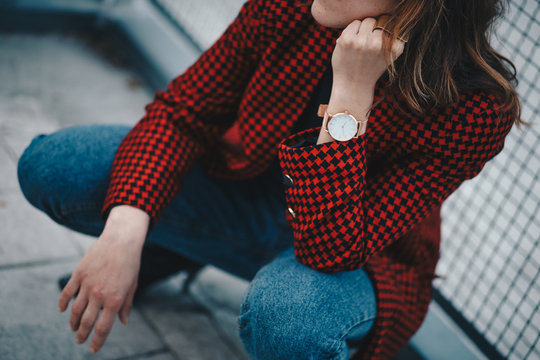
(199,105)
(341,216)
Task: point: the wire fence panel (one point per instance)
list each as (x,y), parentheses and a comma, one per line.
(490,252)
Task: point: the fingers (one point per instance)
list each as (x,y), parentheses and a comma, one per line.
(87,321)
(68,293)
(351,29)
(78,308)
(397,48)
(125,310)
(86,310)
(103,328)
(360,34)
(366,29)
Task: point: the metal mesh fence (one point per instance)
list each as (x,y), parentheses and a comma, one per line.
(490,253)
(491,225)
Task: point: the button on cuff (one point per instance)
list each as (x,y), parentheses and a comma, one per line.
(291,211)
(287,181)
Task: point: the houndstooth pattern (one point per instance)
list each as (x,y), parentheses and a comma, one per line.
(343,218)
(387,221)
(371,202)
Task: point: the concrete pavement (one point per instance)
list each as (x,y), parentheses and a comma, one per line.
(52,81)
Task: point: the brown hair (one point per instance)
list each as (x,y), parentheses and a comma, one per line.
(449,52)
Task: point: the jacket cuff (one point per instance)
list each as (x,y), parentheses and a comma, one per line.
(320,180)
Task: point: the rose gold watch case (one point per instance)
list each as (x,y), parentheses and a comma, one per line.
(360,125)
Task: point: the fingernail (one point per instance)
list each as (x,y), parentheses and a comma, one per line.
(78,341)
(92,349)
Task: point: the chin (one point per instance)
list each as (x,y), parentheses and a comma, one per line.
(327,21)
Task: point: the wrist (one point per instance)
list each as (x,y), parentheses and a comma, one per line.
(349,83)
(356,98)
(127,224)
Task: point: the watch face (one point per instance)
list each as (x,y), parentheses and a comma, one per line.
(342,127)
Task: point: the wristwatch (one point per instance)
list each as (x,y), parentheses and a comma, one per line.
(341,126)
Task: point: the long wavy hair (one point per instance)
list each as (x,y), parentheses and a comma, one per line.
(448,52)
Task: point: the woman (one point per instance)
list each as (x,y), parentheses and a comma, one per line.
(198,179)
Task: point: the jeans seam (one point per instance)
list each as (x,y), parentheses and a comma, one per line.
(244,307)
(337,345)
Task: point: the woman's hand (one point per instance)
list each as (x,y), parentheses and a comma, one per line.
(357,62)
(358,57)
(106,277)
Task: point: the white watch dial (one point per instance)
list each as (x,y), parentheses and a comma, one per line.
(342,127)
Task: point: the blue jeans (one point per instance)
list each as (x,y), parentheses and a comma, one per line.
(289,310)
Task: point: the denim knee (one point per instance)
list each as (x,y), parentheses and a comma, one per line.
(67,171)
(31,179)
(292,312)
(275,327)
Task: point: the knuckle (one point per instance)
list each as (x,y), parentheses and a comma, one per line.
(77,276)
(114,301)
(343,40)
(97,294)
(346,43)
(101,331)
(374,45)
(86,324)
(353,25)
(369,21)
(63,299)
(359,44)
(77,309)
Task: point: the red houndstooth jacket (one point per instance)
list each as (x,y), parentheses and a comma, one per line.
(371,202)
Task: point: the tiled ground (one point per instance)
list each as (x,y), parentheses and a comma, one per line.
(48,82)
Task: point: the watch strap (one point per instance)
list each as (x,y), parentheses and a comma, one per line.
(322,110)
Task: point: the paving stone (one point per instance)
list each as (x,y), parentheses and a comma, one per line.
(222,294)
(218,289)
(70,82)
(29,235)
(8,168)
(160,356)
(228,324)
(31,327)
(21,118)
(78,87)
(24,113)
(186,326)
(84,241)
